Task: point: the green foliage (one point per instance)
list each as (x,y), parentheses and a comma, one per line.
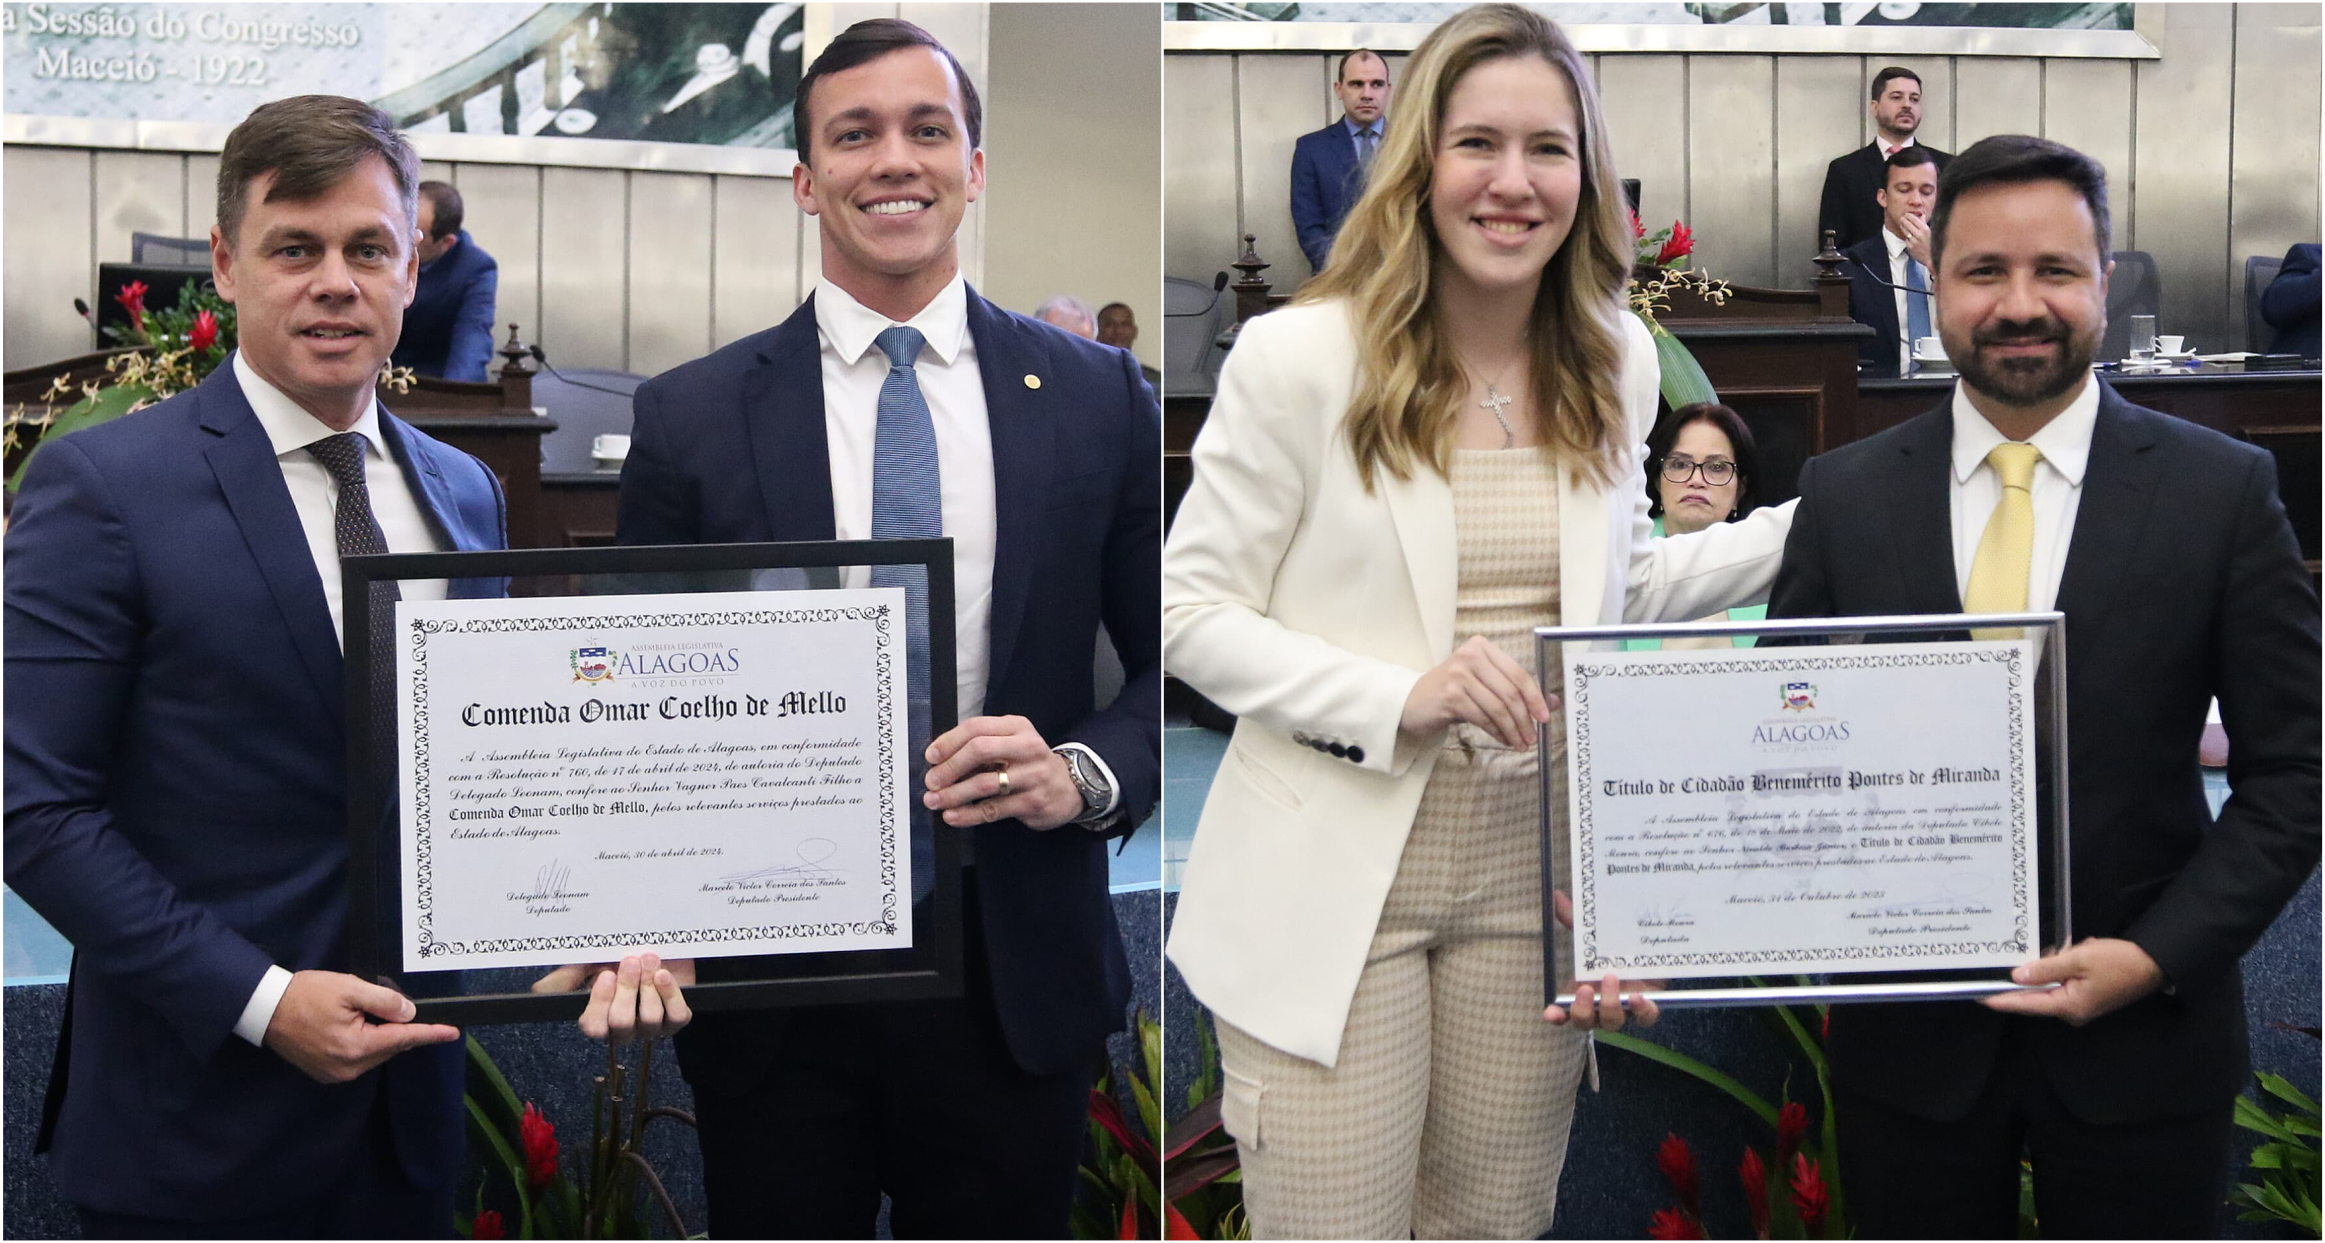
(2288,1189)
(609,1200)
(1684,382)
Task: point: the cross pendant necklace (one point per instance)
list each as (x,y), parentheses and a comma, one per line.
(1495,399)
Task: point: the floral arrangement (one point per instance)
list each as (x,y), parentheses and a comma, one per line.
(172,349)
(1660,266)
(1126,1192)
(2287,1165)
(606,1201)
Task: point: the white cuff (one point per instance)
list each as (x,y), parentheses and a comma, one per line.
(1113,787)
(259,1011)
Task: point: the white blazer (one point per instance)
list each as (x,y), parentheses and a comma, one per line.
(1309,608)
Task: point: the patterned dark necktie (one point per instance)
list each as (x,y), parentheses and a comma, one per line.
(358,535)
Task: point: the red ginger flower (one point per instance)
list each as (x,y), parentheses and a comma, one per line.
(1755,1178)
(205,331)
(1791,1124)
(1638,230)
(1681,245)
(1808,1194)
(132,300)
(540,1140)
(1670,1223)
(1678,1164)
(488,1226)
(1825,1034)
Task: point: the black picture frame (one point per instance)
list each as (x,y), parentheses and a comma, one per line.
(932,967)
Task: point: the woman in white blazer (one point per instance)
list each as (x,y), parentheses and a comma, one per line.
(1435,449)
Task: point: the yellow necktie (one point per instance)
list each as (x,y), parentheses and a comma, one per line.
(2006,551)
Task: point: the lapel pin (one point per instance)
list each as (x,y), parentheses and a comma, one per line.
(1033,381)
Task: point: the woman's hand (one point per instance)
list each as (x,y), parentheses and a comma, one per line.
(1479,684)
(1601,1006)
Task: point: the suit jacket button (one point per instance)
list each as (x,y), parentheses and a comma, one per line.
(1339,751)
(1356,755)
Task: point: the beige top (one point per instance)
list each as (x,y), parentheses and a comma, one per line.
(1505,523)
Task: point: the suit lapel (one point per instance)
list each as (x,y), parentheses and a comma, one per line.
(1921,520)
(1422,508)
(783,419)
(426,479)
(1023,423)
(2118,482)
(251,480)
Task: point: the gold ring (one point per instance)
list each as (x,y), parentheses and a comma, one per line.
(1004,778)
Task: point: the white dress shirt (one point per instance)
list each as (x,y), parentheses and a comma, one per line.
(853,371)
(315,495)
(1888,150)
(1897,276)
(2065,443)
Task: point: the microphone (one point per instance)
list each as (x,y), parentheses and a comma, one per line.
(1869,274)
(543,359)
(83,308)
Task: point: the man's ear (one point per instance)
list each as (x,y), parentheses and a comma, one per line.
(803,187)
(976,183)
(221,263)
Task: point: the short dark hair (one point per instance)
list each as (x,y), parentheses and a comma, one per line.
(2014,159)
(1739,436)
(869,40)
(1341,74)
(1910,155)
(1881,79)
(310,143)
(1111,305)
(449,212)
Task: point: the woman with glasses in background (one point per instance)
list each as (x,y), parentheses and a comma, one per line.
(1704,463)
(1433,451)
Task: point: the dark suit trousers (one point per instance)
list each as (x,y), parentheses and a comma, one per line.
(1908,1177)
(373,1199)
(919,1099)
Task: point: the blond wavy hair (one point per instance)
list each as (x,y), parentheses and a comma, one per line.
(1410,385)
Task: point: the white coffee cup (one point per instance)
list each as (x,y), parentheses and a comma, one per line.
(2169,345)
(1929,348)
(610,448)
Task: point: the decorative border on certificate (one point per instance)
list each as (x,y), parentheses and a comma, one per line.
(2014,658)
(882,620)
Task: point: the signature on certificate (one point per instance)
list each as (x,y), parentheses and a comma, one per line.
(813,852)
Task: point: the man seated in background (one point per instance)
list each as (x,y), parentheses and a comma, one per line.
(1884,269)
(1070,313)
(448,330)
(1849,209)
(1118,327)
(2290,303)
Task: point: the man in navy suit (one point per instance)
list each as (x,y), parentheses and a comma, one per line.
(448,330)
(2166,546)
(897,396)
(1885,268)
(1851,182)
(1328,166)
(2289,304)
(176,754)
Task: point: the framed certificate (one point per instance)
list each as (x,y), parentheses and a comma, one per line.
(1867,820)
(712,752)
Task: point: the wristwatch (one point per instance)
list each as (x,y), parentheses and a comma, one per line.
(1095,786)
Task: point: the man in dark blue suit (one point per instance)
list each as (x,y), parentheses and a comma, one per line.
(897,402)
(2165,545)
(2289,304)
(448,330)
(1328,166)
(176,754)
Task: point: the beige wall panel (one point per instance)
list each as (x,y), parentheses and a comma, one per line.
(669,269)
(2202,17)
(2087,105)
(2179,203)
(1073,200)
(50,254)
(754,257)
(1279,98)
(201,194)
(810,256)
(1202,219)
(1731,167)
(501,206)
(1995,95)
(1937,97)
(1645,98)
(436,170)
(2273,179)
(137,192)
(1817,122)
(584,272)
(962,29)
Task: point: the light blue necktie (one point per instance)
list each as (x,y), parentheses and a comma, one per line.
(1916,303)
(907,503)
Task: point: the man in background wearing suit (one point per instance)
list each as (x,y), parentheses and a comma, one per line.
(2166,546)
(1328,166)
(893,386)
(1850,182)
(176,744)
(1884,269)
(2289,304)
(448,331)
